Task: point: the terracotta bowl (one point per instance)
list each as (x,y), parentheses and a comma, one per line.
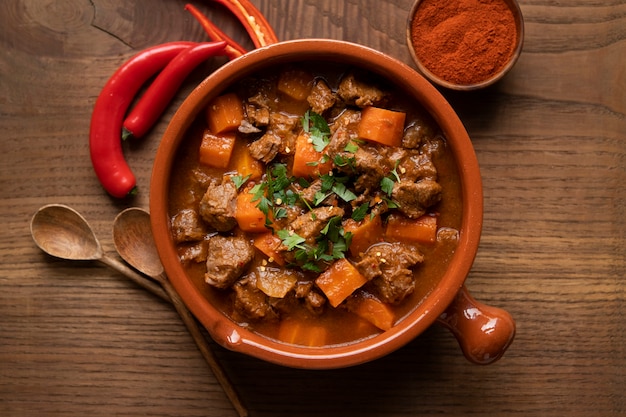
(518,19)
(484,332)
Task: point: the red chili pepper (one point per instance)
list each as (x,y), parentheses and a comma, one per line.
(233,49)
(164,87)
(105,146)
(252,20)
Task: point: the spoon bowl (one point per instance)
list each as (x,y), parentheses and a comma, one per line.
(62,232)
(132,236)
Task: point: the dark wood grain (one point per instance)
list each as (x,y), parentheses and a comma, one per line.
(80,340)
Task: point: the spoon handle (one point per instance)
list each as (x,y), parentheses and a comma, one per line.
(138,279)
(201,342)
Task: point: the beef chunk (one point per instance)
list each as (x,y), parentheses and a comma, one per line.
(314,301)
(416,165)
(372,165)
(218,206)
(356,92)
(248,128)
(251,302)
(310,224)
(196,251)
(257,115)
(388,267)
(266,148)
(321,97)
(291,213)
(414,198)
(227,259)
(416,134)
(339,140)
(348,119)
(187,226)
(279,138)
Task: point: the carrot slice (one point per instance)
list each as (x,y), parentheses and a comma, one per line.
(373,310)
(302,332)
(420,230)
(216,150)
(268,243)
(307,162)
(224,113)
(295,83)
(381,126)
(248,216)
(339,281)
(364,233)
(242,162)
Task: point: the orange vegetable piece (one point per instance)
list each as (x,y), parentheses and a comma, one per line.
(307,162)
(420,230)
(365,233)
(302,332)
(224,113)
(373,310)
(216,150)
(268,243)
(295,83)
(339,281)
(242,162)
(248,216)
(381,126)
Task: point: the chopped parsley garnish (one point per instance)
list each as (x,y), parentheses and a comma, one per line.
(315,125)
(359,213)
(332,244)
(344,193)
(278,191)
(238,180)
(351,147)
(291,240)
(386,184)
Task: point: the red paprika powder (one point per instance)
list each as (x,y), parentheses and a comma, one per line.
(463,41)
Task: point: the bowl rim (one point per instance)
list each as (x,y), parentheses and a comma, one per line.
(519,24)
(232,336)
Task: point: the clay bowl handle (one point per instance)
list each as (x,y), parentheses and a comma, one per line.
(483,332)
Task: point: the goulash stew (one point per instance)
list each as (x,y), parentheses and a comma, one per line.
(315,206)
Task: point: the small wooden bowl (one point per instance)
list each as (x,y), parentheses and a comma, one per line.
(483,332)
(493,78)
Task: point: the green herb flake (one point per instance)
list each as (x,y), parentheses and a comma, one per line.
(327,182)
(238,180)
(359,213)
(319,197)
(386,184)
(351,147)
(344,193)
(344,161)
(332,229)
(394,171)
(290,240)
(317,127)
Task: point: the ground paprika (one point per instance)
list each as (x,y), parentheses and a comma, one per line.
(463,41)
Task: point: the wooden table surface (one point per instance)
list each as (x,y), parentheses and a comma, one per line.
(79,339)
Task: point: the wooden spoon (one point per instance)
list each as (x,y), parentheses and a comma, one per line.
(133,239)
(62,232)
